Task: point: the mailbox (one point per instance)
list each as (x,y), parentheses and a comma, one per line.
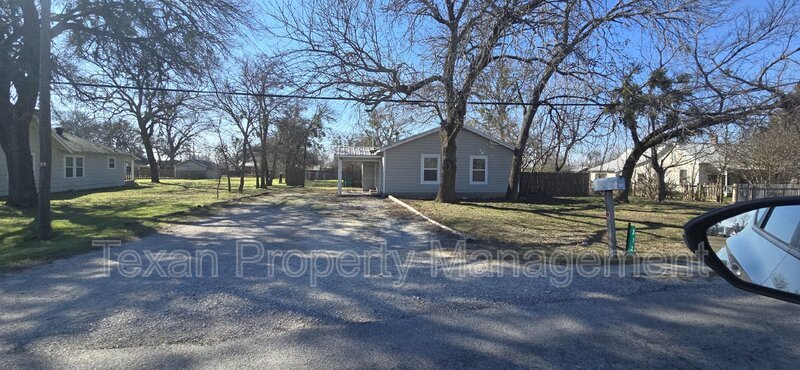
(609,184)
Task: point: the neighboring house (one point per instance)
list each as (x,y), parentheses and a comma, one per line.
(77,164)
(608,169)
(412,167)
(688,165)
(196,169)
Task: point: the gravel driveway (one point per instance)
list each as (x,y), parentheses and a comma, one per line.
(82,311)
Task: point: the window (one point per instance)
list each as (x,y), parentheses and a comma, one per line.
(782,222)
(429,169)
(684,177)
(112,163)
(73,166)
(478,170)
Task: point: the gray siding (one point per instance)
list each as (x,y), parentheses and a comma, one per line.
(194,167)
(403,164)
(96,173)
(190,166)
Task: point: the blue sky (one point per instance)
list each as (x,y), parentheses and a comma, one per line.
(348,114)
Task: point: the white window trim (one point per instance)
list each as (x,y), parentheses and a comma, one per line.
(422,169)
(75,166)
(485,170)
(108,163)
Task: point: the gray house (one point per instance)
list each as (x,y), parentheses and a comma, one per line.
(196,169)
(78,164)
(412,167)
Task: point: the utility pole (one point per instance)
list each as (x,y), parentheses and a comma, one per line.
(45,152)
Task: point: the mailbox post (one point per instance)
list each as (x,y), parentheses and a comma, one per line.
(607,186)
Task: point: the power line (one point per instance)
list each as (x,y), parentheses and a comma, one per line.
(326,98)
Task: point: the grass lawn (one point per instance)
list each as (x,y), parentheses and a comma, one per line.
(118,214)
(562,223)
(321,183)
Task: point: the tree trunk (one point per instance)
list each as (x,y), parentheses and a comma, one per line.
(662,186)
(255,168)
(227,167)
(265,180)
(172,161)
(305,154)
(148,149)
(16,146)
(44,216)
(274,164)
(244,166)
(447,180)
(512,188)
(661,174)
(627,172)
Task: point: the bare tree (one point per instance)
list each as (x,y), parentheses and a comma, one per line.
(222,154)
(727,86)
(268,75)
(558,130)
(176,130)
(240,110)
(386,124)
(174,33)
(562,44)
(768,154)
(142,99)
(501,82)
(435,50)
(115,133)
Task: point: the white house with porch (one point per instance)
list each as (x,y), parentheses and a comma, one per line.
(412,167)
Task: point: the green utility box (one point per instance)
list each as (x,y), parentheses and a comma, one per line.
(630,241)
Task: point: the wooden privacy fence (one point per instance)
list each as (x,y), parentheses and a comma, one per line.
(554,184)
(321,175)
(707,192)
(743,192)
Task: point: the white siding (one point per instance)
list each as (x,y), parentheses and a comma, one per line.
(403,165)
(96,173)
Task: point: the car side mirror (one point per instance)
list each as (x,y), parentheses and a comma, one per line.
(753,245)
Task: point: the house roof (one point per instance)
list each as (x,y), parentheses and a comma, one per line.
(366,152)
(436,130)
(354,151)
(614,165)
(575,168)
(75,144)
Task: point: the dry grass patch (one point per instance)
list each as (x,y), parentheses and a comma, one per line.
(576,223)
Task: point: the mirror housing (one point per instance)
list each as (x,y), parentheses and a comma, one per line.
(695,235)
